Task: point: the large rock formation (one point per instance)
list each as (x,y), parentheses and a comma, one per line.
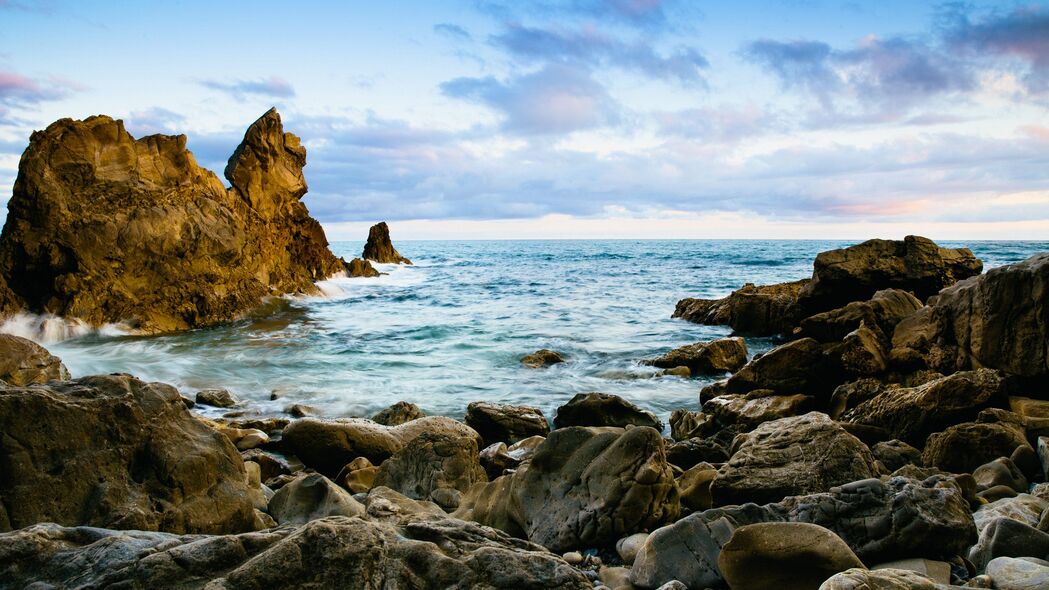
(758,310)
(106,228)
(23,362)
(113,451)
(379,247)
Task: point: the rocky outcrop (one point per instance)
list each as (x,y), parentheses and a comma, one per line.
(543,357)
(757,310)
(799,366)
(914,264)
(505,423)
(603,409)
(379,247)
(398,414)
(23,362)
(113,451)
(436,467)
(723,355)
(106,228)
(759,406)
(882,313)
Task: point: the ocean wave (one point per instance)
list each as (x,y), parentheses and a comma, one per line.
(340,286)
(50,328)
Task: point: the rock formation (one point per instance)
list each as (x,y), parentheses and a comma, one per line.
(106,228)
(379,247)
(23,362)
(758,310)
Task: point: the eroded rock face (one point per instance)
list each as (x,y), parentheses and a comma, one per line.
(882,312)
(798,366)
(379,247)
(758,310)
(436,467)
(584,487)
(106,228)
(23,362)
(703,358)
(113,451)
(311,497)
(603,409)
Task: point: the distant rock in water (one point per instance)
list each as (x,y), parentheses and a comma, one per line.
(106,228)
(379,247)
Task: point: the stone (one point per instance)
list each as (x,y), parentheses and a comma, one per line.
(270,464)
(603,409)
(723,355)
(436,467)
(912,413)
(937,571)
(398,414)
(24,362)
(1001,471)
(882,312)
(583,487)
(328,445)
(1043,455)
(694,486)
(105,228)
(505,423)
(757,310)
(616,578)
(310,497)
(687,453)
(853,393)
(864,353)
(386,505)
(1019,574)
(757,407)
(542,358)
(627,547)
(379,247)
(795,367)
(791,456)
(361,268)
(883,579)
(784,555)
(686,424)
(1028,407)
(964,447)
(300,410)
(358,476)
(856,273)
(894,454)
(1005,537)
(218,398)
(113,451)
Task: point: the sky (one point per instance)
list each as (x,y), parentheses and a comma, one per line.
(578,118)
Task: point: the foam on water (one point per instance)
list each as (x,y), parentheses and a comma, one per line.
(49,329)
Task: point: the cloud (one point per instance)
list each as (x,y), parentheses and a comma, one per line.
(594,48)
(273,86)
(724,123)
(153,120)
(558,98)
(797,64)
(18,90)
(1022,35)
(649,15)
(452,31)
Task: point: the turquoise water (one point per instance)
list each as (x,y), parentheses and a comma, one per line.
(452,328)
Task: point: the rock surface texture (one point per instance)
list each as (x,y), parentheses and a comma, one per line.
(379,247)
(758,310)
(23,362)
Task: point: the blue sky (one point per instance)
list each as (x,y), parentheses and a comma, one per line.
(580,118)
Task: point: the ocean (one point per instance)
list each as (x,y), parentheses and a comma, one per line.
(452,328)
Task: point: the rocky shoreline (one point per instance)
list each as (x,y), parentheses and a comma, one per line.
(897,437)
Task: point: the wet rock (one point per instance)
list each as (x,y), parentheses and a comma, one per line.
(1019,574)
(883,579)
(685,424)
(386,505)
(894,454)
(603,409)
(270,464)
(23,362)
(218,398)
(758,310)
(1029,408)
(542,358)
(361,268)
(882,312)
(784,555)
(436,467)
(791,456)
(849,395)
(118,452)
(795,367)
(496,460)
(505,423)
(723,355)
(379,247)
(1001,471)
(627,547)
(757,407)
(310,497)
(398,414)
(937,571)
(300,410)
(964,447)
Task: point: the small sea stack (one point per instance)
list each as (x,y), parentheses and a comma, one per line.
(379,248)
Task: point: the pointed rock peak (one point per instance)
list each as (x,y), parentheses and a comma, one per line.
(379,247)
(266,168)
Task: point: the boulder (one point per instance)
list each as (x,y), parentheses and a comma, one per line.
(603,409)
(1019,574)
(757,407)
(310,497)
(627,547)
(686,424)
(915,264)
(895,454)
(113,451)
(687,453)
(398,414)
(783,555)
(694,486)
(795,367)
(791,456)
(1005,537)
(912,413)
(505,423)
(882,579)
(863,352)
(723,355)
(965,447)
(358,475)
(758,310)
(218,398)
(328,445)
(361,268)
(542,358)
(379,247)
(881,313)
(584,487)
(23,362)
(436,466)
(105,228)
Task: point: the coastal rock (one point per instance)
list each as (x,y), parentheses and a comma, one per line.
(113,451)
(894,454)
(1000,472)
(358,475)
(791,456)
(1019,574)
(687,453)
(23,362)
(758,310)
(105,228)
(603,409)
(723,355)
(311,497)
(379,247)
(881,579)
(1005,537)
(398,414)
(686,424)
(882,312)
(863,353)
(543,357)
(964,447)
(694,486)
(783,555)
(218,398)
(361,268)
(794,367)
(914,264)
(757,407)
(505,423)
(584,487)
(436,467)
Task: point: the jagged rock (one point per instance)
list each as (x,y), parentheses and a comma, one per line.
(603,409)
(219,398)
(23,362)
(328,445)
(882,579)
(783,555)
(882,312)
(798,366)
(1000,472)
(915,264)
(759,310)
(584,487)
(543,357)
(270,464)
(863,352)
(424,552)
(1005,537)
(685,424)
(398,413)
(436,466)
(379,247)
(964,447)
(998,320)
(505,423)
(105,228)
(912,413)
(757,407)
(894,454)
(723,355)
(791,456)
(310,497)
(113,451)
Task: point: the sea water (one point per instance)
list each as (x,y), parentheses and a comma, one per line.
(452,328)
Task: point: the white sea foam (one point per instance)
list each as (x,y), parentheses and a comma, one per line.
(341,286)
(49,328)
